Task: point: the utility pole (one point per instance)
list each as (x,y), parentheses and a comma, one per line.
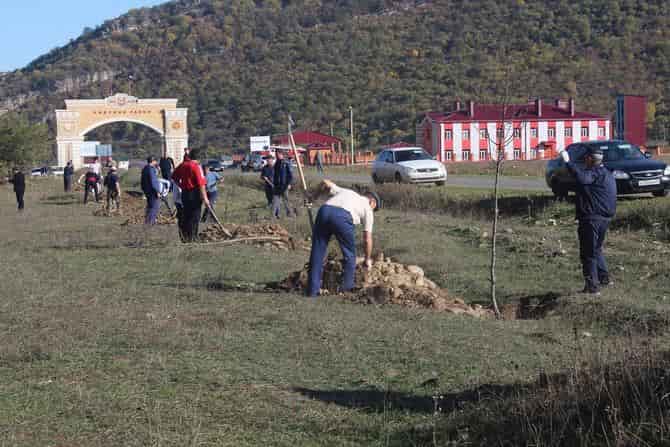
(351,131)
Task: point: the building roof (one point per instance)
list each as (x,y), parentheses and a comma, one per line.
(306,138)
(515,112)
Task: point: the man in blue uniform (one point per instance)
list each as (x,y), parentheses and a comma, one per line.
(595,205)
(282,179)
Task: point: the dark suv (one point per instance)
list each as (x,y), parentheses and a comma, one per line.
(634,171)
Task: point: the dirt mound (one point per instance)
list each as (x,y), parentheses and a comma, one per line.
(388,282)
(133,209)
(267,235)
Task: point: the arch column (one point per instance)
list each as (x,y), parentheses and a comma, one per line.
(176,135)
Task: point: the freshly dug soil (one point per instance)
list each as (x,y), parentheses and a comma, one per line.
(133,208)
(267,235)
(387,282)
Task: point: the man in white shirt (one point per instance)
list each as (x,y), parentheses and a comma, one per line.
(344,209)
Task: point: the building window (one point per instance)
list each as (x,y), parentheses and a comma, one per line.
(517,154)
(483,155)
(500,132)
(483,134)
(551,132)
(533,154)
(601,131)
(568,132)
(449,155)
(585,131)
(466,155)
(447,134)
(533,132)
(517,133)
(466,134)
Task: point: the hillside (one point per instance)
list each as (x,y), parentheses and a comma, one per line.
(241,65)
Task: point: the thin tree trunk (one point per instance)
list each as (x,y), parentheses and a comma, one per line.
(494,234)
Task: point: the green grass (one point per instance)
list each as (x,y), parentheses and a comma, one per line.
(113,335)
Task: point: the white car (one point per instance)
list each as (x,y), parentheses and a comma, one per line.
(57,170)
(408,165)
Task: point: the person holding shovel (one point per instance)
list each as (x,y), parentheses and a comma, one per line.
(190,179)
(337,217)
(113,187)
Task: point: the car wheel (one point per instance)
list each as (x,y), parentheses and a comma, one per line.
(440,183)
(398,177)
(376,179)
(663,193)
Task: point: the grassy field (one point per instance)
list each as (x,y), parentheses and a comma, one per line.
(114,335)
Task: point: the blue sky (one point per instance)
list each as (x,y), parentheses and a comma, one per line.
(31,28)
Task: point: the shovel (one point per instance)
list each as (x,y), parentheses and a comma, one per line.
(218,222)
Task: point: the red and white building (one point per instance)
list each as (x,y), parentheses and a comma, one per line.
(529,131)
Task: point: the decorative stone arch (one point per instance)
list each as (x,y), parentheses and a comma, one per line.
(81,116)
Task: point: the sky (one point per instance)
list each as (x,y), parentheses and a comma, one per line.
(31,28)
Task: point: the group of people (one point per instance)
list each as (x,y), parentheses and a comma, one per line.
(93,183)
(193,186)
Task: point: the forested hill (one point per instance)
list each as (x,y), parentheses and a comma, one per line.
(241,65)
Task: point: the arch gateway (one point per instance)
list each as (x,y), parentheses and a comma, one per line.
(81,116)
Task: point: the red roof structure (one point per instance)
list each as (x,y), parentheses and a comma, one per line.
(533,111)
(308,138)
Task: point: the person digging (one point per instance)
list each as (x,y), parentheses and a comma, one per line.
(337,217)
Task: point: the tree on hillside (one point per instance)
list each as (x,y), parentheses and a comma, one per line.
(22,143)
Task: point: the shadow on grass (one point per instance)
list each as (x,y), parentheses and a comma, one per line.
(379,401)
(61,199)
(617,402)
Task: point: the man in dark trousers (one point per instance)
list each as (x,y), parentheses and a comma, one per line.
(167,167)
(19,182)
(189,177)
(282,179)
(151,188)
(267,176)
(91,183)
(337,217)
(68,174)
(113,186)
(596,206)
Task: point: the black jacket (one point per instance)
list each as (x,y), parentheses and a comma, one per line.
(596,192)
(19,181)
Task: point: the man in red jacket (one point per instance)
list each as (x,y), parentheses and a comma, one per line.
(189,177)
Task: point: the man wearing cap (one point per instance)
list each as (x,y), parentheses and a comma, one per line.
(113,187)
(151,188)
(190,179)
(337,217)
(281,181)
(595,206)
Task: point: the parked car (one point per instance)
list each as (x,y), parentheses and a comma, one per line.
(37,172)
(57,170)
(408,165)
(633,170)
(227,161)
(215,165)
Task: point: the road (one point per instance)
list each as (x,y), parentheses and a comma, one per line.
(473,181)
(463,181)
